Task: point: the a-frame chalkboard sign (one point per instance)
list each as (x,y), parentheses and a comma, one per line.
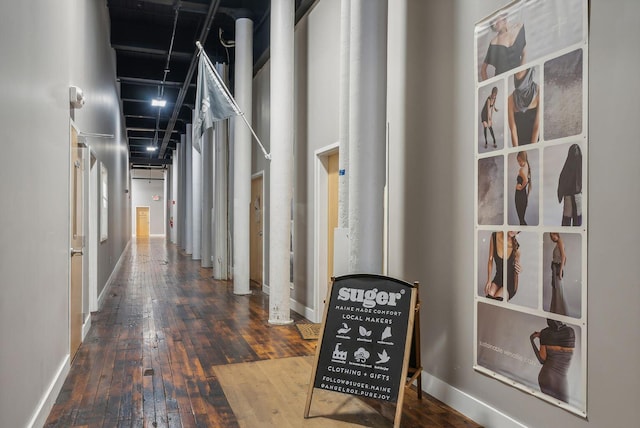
(367,340)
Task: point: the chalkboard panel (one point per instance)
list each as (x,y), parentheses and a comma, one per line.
(363,344)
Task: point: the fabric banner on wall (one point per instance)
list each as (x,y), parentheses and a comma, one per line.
(531,199)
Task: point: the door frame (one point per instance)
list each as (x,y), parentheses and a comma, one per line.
(320,219)
(80,142)
(260,174)
(93,232)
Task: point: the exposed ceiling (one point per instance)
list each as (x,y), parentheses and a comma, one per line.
(154,41)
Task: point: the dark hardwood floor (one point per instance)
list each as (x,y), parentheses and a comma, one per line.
(165,323)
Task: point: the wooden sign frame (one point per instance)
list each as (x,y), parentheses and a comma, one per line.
(350,306)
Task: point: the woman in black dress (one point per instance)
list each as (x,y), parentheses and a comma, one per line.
(507,49)
(523,186)
(558,261)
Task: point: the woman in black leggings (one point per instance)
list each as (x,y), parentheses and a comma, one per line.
(487,115)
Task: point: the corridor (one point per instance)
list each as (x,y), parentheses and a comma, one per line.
(150,355)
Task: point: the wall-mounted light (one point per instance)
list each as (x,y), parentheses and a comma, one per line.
(157,102)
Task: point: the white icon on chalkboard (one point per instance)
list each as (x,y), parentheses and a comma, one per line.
(338,355)
(345,329)
(364,332)
(361,355)
(386,333)
(384,357)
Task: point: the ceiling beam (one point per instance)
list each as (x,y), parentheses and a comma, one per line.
(185,6)
(184,56)
(147,161)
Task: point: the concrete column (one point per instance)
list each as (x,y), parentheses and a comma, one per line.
(182,193)
(167,203)
(343,159)
(367,142)
(207,145)
(242,155)
(196,200)
(174,195)
(188,178)
(281,168)
(220,248)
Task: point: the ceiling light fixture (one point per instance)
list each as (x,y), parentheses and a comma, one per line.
(151,148)
(157,102)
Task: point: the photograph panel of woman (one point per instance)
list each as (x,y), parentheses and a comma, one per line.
(523,113)
(494,287)
(523,186)
(570,187)
(506,50)
(562,287)
(562,184)
(523,207)
(554,351)
(486,116)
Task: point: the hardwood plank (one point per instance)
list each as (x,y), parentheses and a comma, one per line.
(164,312)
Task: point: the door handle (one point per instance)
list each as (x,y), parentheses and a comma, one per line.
(75,252)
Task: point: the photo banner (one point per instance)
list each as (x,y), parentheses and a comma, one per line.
(531,157)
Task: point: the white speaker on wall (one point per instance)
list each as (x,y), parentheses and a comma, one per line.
(76,97)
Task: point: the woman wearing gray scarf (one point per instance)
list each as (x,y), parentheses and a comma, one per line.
(523,112)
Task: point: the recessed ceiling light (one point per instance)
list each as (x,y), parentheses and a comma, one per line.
(156,102)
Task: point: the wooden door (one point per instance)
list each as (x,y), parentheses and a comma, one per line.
(142,222)
(256,231)
(332,207)
(77,242)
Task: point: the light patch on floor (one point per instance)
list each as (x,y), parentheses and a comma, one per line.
(273,393)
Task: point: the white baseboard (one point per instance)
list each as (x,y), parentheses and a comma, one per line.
(86,326)
(303,310)
(296,306)
(464,403)
(49,398)
(106,287)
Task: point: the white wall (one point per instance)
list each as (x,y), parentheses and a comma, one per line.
(92,67)
(144,187)
(44,51)
(431,193)
(431,109)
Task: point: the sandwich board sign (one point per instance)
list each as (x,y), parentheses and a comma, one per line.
(365,339)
